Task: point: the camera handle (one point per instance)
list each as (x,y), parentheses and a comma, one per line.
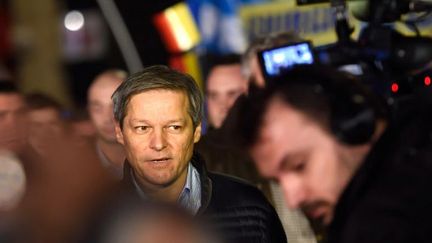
(343,30)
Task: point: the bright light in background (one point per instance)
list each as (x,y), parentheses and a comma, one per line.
(74,20)
(427,80)
(394,87)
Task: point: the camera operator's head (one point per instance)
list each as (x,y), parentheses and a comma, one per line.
(250,65)
(315,126)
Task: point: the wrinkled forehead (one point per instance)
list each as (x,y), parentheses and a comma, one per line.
(162,91)
(174,94)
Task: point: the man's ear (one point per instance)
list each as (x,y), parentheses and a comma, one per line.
(119,133)
(197,133)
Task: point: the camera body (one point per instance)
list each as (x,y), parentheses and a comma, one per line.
(381,56)
(274,61)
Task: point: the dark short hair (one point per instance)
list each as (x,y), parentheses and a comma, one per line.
(323,94)
(8,87)
(228,59)
(37,101)
(212,61)
(158,77)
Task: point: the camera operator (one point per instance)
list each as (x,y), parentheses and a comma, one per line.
(339,157)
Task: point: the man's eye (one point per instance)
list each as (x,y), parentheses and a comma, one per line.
(212,96)
(174,128)
(299,167)
(95,108)
(234,94)
(141,128)
(3,114)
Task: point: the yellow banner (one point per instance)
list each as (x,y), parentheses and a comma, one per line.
(313,22)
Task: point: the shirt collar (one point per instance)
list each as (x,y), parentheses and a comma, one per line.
(190,197)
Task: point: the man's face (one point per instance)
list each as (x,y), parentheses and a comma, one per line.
(158,136)
(224,85)
(44,124)
(12,122)
(101,108)
(310,165)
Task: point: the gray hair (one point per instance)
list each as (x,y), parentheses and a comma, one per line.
(265,42)
(158,77)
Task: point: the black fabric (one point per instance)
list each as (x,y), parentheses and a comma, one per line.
(389,199)
(223,154)
(235,209)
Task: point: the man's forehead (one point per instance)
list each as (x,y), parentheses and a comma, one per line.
(162,91)
(45,111)
(279,116)
(225,76)
(133,98)
(103,88)
(283,125)
(8,99)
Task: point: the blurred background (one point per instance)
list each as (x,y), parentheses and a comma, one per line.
(58,46)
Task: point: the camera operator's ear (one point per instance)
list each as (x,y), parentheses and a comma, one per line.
(353,107)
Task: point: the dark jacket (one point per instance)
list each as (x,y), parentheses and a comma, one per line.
(223,154)
(234,208)
(390,199)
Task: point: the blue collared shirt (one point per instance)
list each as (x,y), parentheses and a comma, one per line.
(190,197)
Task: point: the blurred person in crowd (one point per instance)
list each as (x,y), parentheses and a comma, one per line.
(13,127)
(218,146)
(62,186)
(80,123)
(224,85)
(45,120)
(100,109)
(222,153)
(341,158)
(133,221)
(158,114)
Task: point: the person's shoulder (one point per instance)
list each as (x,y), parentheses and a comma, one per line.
(242,211)
(236,191)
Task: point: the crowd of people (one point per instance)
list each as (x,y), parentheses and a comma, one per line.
(312,156)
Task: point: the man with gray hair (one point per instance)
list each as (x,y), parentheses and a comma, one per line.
(158,115)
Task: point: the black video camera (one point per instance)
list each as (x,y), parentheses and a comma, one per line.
(393,64)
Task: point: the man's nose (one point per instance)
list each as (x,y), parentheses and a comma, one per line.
(294,193)
(158,141)
(225,104)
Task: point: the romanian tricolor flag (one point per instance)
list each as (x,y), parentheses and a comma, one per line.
(188,62)
(178,28)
